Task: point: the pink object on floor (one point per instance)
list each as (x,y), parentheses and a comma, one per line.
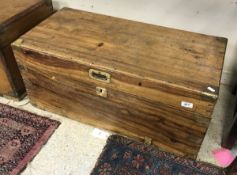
(224,157)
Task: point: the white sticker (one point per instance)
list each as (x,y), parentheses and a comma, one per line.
(187,104)
(211,89)
(100,134)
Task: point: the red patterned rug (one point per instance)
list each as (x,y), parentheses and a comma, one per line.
(22,134)
(123,156)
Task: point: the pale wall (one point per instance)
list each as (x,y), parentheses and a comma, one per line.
(214,17)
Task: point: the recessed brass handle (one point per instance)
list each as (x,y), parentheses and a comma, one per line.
(99,76)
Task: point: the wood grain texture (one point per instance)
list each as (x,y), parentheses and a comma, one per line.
(11,83)
(10,9)
(188,61)
(5,86)
(16,18)
(153,69)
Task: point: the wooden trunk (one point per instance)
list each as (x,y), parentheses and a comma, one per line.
(132,78)
(17,17)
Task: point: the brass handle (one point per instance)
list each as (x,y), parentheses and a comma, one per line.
(99,75)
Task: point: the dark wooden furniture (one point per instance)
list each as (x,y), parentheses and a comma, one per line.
(132,78)
(17,17)
(232,170)
(230,138)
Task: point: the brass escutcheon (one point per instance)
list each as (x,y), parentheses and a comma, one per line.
(101,92)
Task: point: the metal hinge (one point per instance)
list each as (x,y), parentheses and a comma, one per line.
(18,42)
(147,141)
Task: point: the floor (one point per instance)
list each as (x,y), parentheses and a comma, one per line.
(74,147)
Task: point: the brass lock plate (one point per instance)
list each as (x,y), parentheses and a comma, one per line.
(101,92)
(147,141)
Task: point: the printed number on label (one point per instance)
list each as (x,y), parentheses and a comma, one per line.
(187,104)
(100,134)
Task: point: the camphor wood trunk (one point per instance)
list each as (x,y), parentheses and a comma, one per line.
(17,17)
(132,78)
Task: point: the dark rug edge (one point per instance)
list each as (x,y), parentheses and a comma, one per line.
(39,144)
(34,151)
(115,138)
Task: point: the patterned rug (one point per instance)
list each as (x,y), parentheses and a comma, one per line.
(122,156)
(22,134)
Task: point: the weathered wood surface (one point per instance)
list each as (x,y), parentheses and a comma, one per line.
(11,9)
(17,17)
(11,83)
(5,84)
(153,69)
